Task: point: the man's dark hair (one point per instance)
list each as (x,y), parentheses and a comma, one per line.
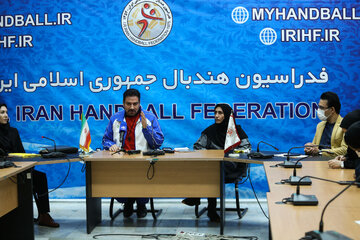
(332,100)
(3,104)
(131,93)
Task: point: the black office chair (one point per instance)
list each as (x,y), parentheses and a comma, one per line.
(236,173)
(154,213)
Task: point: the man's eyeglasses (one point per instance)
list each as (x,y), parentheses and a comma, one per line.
(323,108)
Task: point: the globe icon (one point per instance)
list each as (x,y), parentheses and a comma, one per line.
(268,36)
(239,15)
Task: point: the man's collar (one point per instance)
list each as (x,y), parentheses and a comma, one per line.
(334,119)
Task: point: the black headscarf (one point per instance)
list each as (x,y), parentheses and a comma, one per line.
(352,135)
(350,118)
(216,133)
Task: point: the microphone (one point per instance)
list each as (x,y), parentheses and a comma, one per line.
(122,134)
(122,131)
(293,180)
(261,155)
(302,199)
(320,234)
(51,140)
(257,149)
(51,154)
(291,164)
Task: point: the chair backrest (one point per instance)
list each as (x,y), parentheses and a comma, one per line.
(235,171)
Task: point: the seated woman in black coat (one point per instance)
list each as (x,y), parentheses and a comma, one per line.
(10,142)
(214,137)
(350,159)
(352,139)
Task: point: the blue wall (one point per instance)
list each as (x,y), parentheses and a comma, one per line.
(61,58)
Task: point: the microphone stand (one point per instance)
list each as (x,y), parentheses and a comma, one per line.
(257,149)
(51,140)
(290,164)
(294,180)
(302,199)
(53,154)
(122,133)
(261,155)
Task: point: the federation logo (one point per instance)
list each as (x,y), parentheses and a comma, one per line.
(240,15)
(146,23)
(268,36)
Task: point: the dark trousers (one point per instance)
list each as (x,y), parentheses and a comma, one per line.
(40,191)
(138,200)
(211,204)
(233,171)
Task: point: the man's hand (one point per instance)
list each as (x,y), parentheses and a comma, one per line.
(336,162)
(114,148)
(143,119)
(311,149)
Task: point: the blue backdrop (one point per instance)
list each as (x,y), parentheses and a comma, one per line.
(270,60)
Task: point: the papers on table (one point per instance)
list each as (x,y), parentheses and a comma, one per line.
(292,155)
(182,149)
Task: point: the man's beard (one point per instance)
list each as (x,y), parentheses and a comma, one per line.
(131,113)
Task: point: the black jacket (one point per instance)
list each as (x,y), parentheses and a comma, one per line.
(10,141)
(352,159)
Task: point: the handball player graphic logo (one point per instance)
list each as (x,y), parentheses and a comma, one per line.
(146,23)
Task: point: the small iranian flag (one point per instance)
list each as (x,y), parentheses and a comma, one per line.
(232,139)
(85,138)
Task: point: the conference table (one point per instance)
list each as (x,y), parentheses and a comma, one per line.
(187,174)
(177,175)
(291,222)
(16,199)
(16,206)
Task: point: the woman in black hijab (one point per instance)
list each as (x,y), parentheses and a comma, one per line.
(214,137)
(352,139)
(350,159)
(9,137)
(10,142)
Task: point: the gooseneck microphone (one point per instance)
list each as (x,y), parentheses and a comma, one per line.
(318,178)
(261,155)
(51,140)
(328,234)
(294,172)
(257,149)
(290,164)
(51,154)
(294,180)
(302,199)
